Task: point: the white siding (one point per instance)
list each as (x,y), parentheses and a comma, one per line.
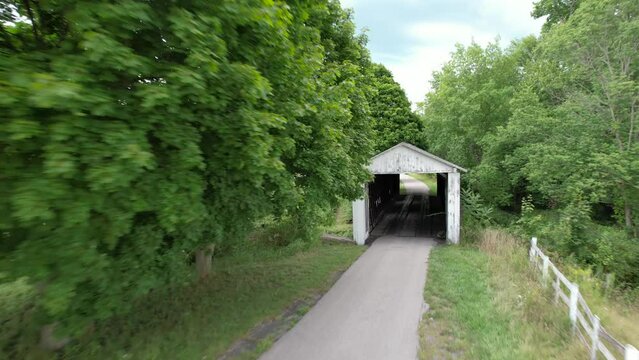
(402,159)
(453,217)
(360,219)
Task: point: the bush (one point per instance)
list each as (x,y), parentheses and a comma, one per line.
(476,215)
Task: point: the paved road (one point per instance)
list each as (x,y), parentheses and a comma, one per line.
(372,312)
(409,215)
(413,186)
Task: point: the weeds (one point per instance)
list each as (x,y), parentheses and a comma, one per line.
(487,303)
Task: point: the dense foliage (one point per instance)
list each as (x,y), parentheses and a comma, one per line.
(393,119)
(136,133)
(550,126)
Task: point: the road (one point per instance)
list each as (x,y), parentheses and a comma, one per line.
(372,312)
(413,186)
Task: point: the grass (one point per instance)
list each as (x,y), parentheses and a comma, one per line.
(487,304)
(201,321)
(429,179)
(619,317)
(343,224)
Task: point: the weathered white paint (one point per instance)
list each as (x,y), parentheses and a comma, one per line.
(404,158)
(360,218)
(453,210)
(631,353)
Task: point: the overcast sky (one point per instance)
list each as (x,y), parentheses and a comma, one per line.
(415,37)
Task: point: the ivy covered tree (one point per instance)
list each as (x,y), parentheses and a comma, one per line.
(138,135)
(393,119)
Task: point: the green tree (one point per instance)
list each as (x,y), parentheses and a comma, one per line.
(137,134)
(598,46)
(556,11)
(393,119)
(470,98)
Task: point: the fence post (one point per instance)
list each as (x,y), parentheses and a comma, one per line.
(557,287)
(631,353)
(533,245)
(574,295)
(595,337)
(544,269)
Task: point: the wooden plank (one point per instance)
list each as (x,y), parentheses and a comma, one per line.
(564,280)
(584,316)
(584,323)
(453,218)
(585,308)
(614,343)
(581,337)
(605,352)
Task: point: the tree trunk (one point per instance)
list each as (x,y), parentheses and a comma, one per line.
(628,214)
(203,261)
(48,340)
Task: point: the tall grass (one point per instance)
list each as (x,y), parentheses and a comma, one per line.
(486,303)
(343,221)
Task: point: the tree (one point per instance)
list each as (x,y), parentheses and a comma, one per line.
(138,135)
(557,11)
(393,119)
(470,99)
(598,46)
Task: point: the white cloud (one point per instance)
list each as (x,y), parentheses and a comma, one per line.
(430,37)
(347,3)
(512,16)
(414,71)
(447,33)
(435,40)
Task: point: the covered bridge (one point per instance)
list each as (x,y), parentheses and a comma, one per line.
(384,189)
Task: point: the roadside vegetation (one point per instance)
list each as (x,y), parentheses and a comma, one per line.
(343,222)
(429,179)
(486,303)
(201,321)
(547,127)
(142,143)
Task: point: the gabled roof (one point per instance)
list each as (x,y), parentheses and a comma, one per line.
(417,162)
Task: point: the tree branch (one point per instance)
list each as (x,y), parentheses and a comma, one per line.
(34,25)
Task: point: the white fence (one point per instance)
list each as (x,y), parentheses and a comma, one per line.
(585,324)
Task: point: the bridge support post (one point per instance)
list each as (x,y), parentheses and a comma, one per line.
(360,218)
(453,209)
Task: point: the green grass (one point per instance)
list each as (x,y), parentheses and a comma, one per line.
(343,224)
(203,320)
(429,179)
(486,304)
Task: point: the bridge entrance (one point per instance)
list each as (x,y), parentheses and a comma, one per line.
(417,211)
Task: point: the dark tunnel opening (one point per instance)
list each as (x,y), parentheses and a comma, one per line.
(416,212)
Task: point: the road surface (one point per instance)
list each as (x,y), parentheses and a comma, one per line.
(372,312)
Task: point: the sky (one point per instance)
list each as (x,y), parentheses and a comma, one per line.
(413,38)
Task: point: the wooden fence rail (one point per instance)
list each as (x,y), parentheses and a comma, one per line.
(585,325)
